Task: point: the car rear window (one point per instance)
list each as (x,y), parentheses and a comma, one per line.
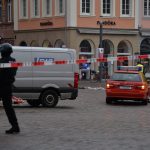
(126,77)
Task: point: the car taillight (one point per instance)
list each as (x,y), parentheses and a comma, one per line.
(142,87)
(108,86)
(76,80)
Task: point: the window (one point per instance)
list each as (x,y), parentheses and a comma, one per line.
(126,8)
(35,8)
(60,7)
(47,8)
(126,77)
(0,10)
(24,9)
(9,13)
(108,7)
(87,7)
(147,8)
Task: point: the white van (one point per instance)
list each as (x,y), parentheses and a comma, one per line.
(45,84)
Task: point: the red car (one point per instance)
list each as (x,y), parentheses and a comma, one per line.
(127,85)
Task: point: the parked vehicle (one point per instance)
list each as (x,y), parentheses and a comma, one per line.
(45,84)
(127,85)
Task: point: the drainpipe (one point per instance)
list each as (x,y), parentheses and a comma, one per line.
(65,29)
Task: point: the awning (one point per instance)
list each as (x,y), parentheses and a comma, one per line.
(143,52)
(145,33)
(107,31)
(85,53)
(123,54)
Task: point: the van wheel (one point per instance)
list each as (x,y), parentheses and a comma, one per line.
(49,98)
(34,103)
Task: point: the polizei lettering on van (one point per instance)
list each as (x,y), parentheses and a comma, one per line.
(43,59)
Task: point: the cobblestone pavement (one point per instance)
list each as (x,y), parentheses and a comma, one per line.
(83,84)
(84,124)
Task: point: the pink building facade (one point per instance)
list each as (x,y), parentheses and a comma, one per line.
(73,23)
(6,22)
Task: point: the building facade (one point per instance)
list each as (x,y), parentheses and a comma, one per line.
(74,24)
(6,22)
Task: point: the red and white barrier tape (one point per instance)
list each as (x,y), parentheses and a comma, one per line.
(17,100)
(78,61)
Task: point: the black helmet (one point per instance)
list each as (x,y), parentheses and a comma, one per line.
(6,49)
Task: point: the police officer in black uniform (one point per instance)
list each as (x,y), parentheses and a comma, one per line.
(7,77)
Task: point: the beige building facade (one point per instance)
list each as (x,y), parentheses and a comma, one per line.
(74,24)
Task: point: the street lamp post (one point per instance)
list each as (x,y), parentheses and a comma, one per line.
(100,23)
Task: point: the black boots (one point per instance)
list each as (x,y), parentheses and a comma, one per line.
(13,130)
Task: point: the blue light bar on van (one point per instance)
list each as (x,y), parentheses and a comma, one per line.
(129,68)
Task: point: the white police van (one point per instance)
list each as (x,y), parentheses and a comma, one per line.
(45,84)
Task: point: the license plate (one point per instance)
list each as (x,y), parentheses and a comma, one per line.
(125,87)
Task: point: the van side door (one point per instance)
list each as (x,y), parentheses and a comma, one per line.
(24,78)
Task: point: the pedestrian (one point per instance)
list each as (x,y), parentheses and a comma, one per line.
(141,66)
(7,78)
